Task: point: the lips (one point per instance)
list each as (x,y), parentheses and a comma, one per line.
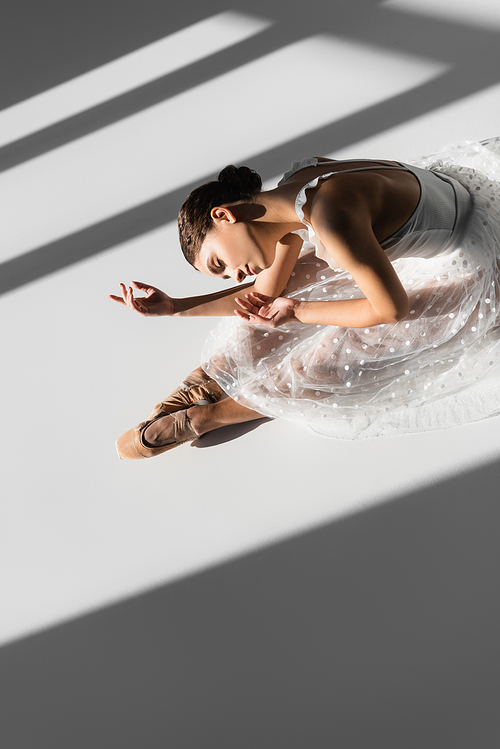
(250,271)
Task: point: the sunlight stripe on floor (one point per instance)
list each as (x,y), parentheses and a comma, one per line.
(485,13)
(171,53)
(251,109)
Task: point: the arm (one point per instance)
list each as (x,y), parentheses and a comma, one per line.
(158,304)
(350,313)
(271,281)
(347,234)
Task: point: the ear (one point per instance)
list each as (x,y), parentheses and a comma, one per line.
(221,213)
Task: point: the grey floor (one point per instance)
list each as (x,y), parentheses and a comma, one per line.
(265,586)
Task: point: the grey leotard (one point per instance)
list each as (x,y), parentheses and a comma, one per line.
(437,224)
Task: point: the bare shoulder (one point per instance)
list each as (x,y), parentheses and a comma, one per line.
(338,204)
(341,215)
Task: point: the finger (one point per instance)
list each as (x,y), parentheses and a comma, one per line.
(245,305)
(130,298)
(261,297)
(116,299)
(259,320)
(138,302)
(255,300)
(266,310)
(252,319)
(241,314)
(248,306)
(135,304)
(144,286)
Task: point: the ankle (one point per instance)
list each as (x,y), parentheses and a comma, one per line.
(201,419)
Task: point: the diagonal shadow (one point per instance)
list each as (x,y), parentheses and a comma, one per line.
(379,630)
(78,38)
(444,42)
(142,97)
(45,44)
(109,233)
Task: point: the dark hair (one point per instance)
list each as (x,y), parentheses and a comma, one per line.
(232,185)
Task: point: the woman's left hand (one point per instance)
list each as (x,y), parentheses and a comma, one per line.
(260,309)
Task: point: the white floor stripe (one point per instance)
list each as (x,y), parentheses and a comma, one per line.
(485,13)
(128,72)
(152,152)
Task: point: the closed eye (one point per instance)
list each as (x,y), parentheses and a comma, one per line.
(217,267)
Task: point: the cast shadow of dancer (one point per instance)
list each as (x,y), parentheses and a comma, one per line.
(228,434)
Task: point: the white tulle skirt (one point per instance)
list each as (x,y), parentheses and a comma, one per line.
(438,368)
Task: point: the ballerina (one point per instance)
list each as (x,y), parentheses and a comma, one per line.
(373,295)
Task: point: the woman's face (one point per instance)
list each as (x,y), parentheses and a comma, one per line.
(234,249)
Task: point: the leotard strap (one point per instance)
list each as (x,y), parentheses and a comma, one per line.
(305,163)
(297,166)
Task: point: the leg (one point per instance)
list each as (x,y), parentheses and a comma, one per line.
(202,419)
(196,387)
(170,422)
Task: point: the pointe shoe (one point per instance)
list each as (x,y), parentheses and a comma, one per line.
(195,390)
(132,445)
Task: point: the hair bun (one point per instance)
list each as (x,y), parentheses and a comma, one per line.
(195,221)
(242,179)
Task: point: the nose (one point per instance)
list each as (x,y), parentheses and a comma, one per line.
(239,276)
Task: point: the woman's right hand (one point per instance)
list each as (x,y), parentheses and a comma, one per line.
(155,304)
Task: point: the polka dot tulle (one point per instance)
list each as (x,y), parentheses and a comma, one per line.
(440,367)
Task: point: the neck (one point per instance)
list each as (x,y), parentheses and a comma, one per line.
(271,212)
